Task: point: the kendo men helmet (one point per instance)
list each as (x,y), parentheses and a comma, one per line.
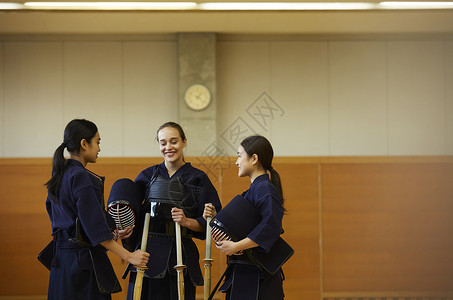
(124,203)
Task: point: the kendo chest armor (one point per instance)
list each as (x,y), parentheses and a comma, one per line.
(164,194)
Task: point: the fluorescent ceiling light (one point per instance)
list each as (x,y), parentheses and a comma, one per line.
(415,5)
(285,6)
(112,5)
(227,6)
(11,6)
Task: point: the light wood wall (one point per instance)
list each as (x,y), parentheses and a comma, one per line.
(361,227)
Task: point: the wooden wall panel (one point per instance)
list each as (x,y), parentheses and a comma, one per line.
(362,228)
(24,224)
(387,227)
(301,225)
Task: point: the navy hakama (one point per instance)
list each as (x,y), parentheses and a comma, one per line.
(160,278)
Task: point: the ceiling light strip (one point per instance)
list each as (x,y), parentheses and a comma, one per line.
(285,6)
(12,6)
(415,5)
(228,6)
(111,5)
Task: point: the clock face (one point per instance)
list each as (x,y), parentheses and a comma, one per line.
(197,97)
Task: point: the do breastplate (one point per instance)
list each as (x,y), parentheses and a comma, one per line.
(164,194)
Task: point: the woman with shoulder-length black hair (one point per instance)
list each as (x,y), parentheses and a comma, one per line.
(75,205)
(245,279)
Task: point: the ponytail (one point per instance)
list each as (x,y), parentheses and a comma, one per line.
(275,179)
(74,133)
(58,168)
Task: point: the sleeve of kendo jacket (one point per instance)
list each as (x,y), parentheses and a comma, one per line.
(268,203)
(89,209)
(208,195)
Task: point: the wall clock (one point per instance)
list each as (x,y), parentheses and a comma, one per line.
(197,97)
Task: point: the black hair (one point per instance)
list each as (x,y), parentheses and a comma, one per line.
(260,146)
(74,133)
(173,125)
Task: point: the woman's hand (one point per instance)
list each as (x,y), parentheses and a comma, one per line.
(125,233)
(209,211)
(230,247)
(179,217)
(139,258)
(227,247)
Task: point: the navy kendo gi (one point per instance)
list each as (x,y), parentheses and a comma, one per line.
(78,251)
(244,279)
(190,189)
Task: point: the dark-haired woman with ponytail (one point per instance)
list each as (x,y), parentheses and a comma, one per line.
(244,279)
(75,204)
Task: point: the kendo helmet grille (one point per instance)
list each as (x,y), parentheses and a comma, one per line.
(122,214)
